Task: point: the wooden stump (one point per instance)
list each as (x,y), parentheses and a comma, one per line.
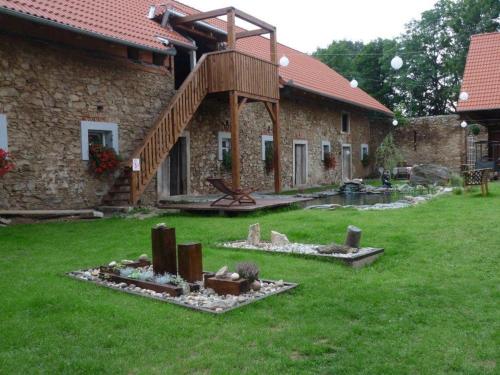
(190,262)
(353,237)
(164,250)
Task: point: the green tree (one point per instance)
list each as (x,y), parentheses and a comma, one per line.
(339,56)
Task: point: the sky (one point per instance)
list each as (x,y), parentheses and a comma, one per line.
(308,24)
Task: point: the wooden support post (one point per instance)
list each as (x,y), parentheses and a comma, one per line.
(231,29)
(274,47)
(190,262)
(164,250)
(276,147)
(235,139)
(353,237)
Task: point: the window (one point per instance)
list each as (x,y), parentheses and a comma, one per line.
(267,146)
(4,144)
(364,151)
(158,59)
(102,133)
(133,53)
(346,122)
(224,144)
(326,148)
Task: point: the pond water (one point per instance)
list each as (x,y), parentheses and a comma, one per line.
(358,199)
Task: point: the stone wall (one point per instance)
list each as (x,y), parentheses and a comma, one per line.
(46,90)
(433,140)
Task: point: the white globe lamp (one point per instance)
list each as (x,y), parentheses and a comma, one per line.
(463,96)
(354,83)
(395,122)
(463,124)
(284,61)
(396,63)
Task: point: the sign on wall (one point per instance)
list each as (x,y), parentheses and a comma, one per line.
(136,165)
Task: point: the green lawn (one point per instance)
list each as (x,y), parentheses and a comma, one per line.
(430,305)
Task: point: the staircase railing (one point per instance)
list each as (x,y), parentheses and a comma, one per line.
(168,128)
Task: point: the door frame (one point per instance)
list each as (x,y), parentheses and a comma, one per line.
(159,177)
(300,142)
(350,160)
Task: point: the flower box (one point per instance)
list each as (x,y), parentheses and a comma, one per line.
(225,286)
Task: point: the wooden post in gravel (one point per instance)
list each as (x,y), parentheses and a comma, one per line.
(190,262)
(164,249)
(353,237)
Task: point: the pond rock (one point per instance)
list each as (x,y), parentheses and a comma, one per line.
(429,174)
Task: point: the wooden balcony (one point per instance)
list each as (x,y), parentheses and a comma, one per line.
(248,75)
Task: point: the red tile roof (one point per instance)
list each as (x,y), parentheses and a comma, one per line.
(482,74)
(126,21)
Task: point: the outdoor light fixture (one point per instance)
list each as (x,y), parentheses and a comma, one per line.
(463,124)
(395,122)
(354,83)
(284,61)
(396,62)
(152,11)
(463,96)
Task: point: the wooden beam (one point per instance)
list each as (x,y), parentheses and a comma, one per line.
(253,20)
(241,104)
(231,29)
(201,16)
(235,139)
(250,33)
(277,147)
(270,110)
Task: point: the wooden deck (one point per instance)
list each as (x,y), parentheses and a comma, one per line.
(262,204)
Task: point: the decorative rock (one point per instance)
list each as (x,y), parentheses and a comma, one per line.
(278,239)
(127,261)
(255,285)
(143,257)
(235,276)
(280,283)
(254,234)
(112,264)
(429,174)
(222,272)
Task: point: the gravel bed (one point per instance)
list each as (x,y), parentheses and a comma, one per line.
(205,300)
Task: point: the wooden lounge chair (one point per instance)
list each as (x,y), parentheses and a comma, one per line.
(240,196)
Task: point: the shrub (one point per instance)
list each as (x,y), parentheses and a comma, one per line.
(456,180)
(475,129)
(5,164)
(248,270)
(388,155)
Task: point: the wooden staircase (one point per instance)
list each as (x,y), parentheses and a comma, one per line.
(129,186)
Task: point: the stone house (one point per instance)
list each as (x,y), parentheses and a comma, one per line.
(480,98)
(130,76)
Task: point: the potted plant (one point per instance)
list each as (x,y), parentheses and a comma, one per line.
(6,165)
(103,160)
(475,129)
(269,157)
(365,161)
(226,160)
(329,160)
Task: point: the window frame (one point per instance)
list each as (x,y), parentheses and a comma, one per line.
(4,139)
(342,122)
(363,146)
(87,126)
(221,136)
(323,144)
(264,139)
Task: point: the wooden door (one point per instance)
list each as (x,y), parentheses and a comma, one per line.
(300,164)
(346,162)
(173,173)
